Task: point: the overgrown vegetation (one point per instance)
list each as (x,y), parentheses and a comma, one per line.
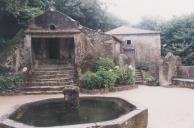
(125,76)
(104,64)
(151,80)
(106,76)
(90,13)
(8,81)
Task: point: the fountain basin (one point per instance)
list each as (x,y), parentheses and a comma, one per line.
(103,112)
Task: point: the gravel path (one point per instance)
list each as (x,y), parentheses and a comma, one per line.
(168,107)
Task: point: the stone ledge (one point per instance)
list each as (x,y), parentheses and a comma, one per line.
(107,90)
(185,83)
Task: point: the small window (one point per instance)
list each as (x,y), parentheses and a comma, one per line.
(128,42)
(52,27)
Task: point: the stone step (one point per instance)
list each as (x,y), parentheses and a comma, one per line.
(52,77)
(52,73)
(44,88)
(41,92)
(55,65)
(138,78)
(48,83)
(53,69)
(139,82)
(51,80)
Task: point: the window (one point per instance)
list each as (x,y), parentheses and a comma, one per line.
(52,27)
(128,42)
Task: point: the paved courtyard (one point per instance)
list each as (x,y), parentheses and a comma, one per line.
(168,107)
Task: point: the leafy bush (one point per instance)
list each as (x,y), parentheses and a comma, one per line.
(151,80)
(108,78)
(143,66)
(104,64)
(91,80)
(9,82)
(125,76)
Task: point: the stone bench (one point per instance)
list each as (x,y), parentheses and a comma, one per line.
(182,82)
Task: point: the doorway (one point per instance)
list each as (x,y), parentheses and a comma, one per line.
(53,46)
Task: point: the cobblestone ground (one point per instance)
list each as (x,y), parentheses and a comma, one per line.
(168,107)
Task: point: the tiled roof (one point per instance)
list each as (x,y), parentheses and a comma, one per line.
(128,30)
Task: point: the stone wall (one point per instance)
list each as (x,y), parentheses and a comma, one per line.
(93,45)
(15,61)
(147,48)
(185,72)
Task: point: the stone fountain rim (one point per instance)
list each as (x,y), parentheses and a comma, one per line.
(4,119)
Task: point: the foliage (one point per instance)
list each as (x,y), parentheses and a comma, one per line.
(90,13)
(151,80)
(125,76)
(91,80)
(150,23)
(108,78)
(143,66)
(100,79)
(177,37)
(105,64)
(8,82)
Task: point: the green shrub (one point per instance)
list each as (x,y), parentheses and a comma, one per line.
(143,66)
(91,81)
(108,78)
(125,76)
(151,80)
(9,82)
(104,64)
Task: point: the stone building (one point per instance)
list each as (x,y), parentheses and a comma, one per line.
(55,37)
(55,49)
(147,44)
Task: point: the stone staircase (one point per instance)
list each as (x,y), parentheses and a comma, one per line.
(138,77)
(49,79)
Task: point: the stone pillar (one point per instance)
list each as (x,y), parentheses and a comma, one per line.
(27,49)
(71,97)
(168,69)
(77,54)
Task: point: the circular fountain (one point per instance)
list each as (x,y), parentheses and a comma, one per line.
(74,112)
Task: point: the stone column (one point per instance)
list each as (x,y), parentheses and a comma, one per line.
(27,49)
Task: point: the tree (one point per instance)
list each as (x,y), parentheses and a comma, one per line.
(177,36)
(150,23)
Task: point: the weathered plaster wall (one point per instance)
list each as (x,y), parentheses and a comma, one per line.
(147,48)
(185,72)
